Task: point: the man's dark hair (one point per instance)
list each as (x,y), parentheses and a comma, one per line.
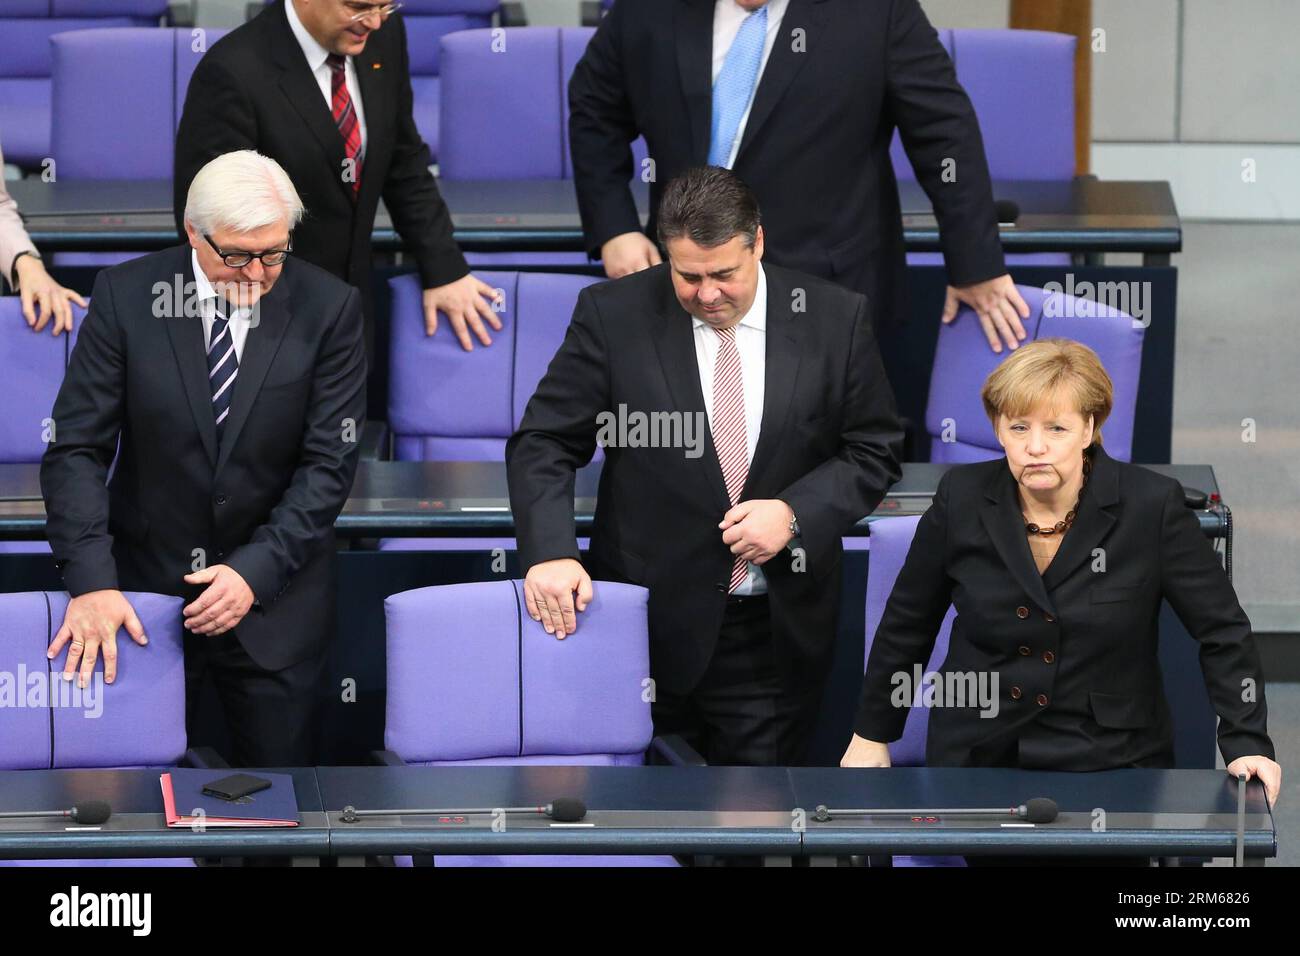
(708,205)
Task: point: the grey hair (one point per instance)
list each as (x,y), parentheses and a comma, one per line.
(708,205)
(242,191)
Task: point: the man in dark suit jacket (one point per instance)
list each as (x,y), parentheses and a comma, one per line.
(781,434)
(267,86)
(801,98)
(232,397)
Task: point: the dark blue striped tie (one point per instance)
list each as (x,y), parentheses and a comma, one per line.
(223,366)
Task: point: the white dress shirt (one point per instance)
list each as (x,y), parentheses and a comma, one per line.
(728,15)
(751,343)
(240,319)
(316,56)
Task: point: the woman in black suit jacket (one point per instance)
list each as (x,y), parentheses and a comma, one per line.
(1057,558)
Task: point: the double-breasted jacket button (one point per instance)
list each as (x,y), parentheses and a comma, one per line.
(1022,612)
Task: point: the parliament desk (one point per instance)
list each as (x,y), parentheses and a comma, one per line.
(1084,217)
(468,501)
(767,812)
(137,827)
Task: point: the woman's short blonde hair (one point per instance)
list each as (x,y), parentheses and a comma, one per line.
(1056,373)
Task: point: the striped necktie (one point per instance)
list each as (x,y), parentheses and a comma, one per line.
(735,84)
(345,117)
(730,436)
(223,366)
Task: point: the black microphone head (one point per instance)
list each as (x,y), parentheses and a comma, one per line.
(1008,210)
(1040,810)
(92,812)
(567,810)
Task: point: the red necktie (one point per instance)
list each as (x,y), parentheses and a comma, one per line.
(730,437)
(345,117)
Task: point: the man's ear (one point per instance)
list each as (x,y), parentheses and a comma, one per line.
(758,243)
(192,234)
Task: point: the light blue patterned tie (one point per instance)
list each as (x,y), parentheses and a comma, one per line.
(735,85)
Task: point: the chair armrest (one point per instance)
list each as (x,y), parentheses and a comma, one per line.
(180,13)
(674,751)
(375,441)
(386,758)
(512,15)
(204,758)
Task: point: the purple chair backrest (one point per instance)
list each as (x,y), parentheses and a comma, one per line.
(890,540)
(45,722)
(954,416)
(33,370)
(148,68)
(1021,83)
(446,404)
(472,678)
(489,128)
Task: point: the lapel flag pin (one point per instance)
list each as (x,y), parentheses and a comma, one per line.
(375,66)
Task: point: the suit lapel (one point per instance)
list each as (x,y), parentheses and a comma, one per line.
(674,337)
(188,345)
(781,368)
(264,336)
(693,28)
(303,93)
(1005,525)
(1094,521)
(783,64)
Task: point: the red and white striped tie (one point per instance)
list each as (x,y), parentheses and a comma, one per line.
(730,437)
(345,117)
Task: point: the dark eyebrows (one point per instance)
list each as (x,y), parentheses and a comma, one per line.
(720,274)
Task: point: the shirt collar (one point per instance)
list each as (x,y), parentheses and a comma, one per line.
(315,53)
(756,317)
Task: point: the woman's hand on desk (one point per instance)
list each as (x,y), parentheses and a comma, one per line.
(865,753)
(1268,771)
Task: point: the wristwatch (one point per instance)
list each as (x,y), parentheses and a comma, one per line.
(794,525)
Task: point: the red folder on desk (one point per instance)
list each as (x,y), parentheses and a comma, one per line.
(276,806)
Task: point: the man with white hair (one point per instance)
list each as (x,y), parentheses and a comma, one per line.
(228,379)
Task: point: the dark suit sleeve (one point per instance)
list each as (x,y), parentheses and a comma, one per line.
(419,214)
(937,124)
(556,437)
(843,489)
(601,132)
(909,626)
(218,118)
(304,517)
(74,470)
(1200,593)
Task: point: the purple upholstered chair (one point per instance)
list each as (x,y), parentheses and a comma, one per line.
(33,366)
(1027,127)
(491,132)
(148,69)
(963,360)
(514,695)
(890,540)
(25,65)
(138,721)
(447,405)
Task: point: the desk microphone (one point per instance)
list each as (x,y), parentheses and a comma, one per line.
(1037,810)
(91,812)
(561,810)
(1008,211)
